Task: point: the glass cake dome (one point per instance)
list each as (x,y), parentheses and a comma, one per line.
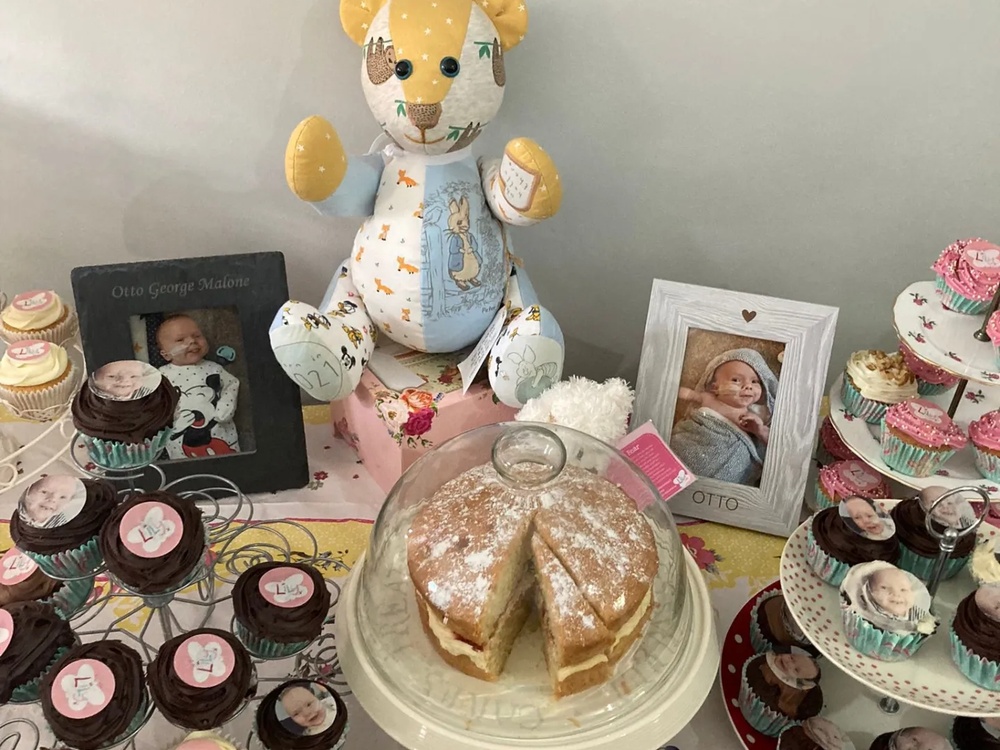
(423,702)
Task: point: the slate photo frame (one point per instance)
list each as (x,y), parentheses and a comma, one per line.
(152,310)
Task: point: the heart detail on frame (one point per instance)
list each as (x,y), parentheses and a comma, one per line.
(749,315)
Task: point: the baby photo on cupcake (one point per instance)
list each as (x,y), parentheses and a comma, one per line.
(52,501)
(125,380)
(305,708)
(865,518)
(953,511)
(917,738)
(888,597)
(201,353)
(725,405)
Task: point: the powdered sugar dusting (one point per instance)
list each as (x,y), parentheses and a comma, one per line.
(563,599)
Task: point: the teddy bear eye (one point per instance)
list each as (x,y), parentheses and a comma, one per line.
(450,67)
(404,69)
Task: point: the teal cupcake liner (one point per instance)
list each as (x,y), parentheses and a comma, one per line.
(987,464)
(909,459)
(822,501)
(765,720)
(29,691)
(265,648)
(113,454)
(861,407)
(983,672)
(757,640)
(958,302)
(73,563)
(932,389)
(827,567)
(70,597)
(876,643)
(923,567)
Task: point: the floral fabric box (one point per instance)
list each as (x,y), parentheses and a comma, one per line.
(389,430)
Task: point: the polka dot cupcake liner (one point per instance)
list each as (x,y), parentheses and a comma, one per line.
(73,563)
(910,459)
(923,567)
(876,643)
(765,720)
(113,454)
(828,568)
(988,464)
(983,672)
(861,407)
(958,302)
(757,640)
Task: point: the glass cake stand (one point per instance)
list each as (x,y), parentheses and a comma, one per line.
(423,703)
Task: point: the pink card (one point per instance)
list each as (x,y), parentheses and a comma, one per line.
(646,449)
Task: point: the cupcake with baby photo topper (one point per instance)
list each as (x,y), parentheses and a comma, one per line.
(857,530)
(40,315)
(779,690)
(886,611)
(772,627)
(918,438)
(816,733)
(918,548)
(975,637)
(58,520)
(848,479)
(36,376)
(125,412)
(302,715)
(911,738)
(971,733)
(279,608)
(985,436)
(968,274)
(21,580)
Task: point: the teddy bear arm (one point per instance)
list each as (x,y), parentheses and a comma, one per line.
(355,196)
(522,188)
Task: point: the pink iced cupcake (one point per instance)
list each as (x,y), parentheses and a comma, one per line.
(832,446)
(918,437)
(931,380)
(968,274)
(848,479)
(985,436)
(993,331)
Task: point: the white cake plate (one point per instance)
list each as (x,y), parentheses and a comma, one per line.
(928,680)
(659,715)
(959,471)
(942,337)
(852,709)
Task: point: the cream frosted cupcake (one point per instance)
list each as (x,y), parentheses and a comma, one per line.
(35,375)
(968,273)
(38,315)
(873,381)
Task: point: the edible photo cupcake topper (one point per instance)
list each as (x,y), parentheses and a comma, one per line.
(83,688)
(794,669)
(826,734)
(988,601)
(992,726)
(29,351)
(918,738)
(54,500)
(305,708)
(36,299)
(285,587)
(953,511)
(889,598)
(865,518)
(204,661)
(15,567)
(124,380)
(151,529)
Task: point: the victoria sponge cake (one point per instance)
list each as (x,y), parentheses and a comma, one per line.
(482,553)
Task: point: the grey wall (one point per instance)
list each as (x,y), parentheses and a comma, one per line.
(822,151)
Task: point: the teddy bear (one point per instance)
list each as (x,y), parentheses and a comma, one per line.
(432,266)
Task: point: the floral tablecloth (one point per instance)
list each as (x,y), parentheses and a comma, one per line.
(338,507)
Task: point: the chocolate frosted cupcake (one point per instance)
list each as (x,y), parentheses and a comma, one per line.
(280,608)
(975,637)
(816,733)
(154,543)
(918,549)
(96,695)
(778,690)
(125,412)
(57,522)
(21,580)
(857,530)
(200,679)
(32,639)
(968,733)
(302,715)
(772,627)
(911,737)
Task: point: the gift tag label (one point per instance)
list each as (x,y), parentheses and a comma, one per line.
(927,412)
(204,661)
(52,501)
(988,601)
(866,519)
(15,567)
(83,688)
(151,529)
(34,300)
(795,670)
(646,449)
(469,366)
(286,587)
(856,473)
(125,380)
(29,351)
(6,630)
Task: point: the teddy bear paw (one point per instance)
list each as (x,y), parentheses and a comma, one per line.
(529,180)
(315,161)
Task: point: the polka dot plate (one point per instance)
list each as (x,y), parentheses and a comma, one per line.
(928,680)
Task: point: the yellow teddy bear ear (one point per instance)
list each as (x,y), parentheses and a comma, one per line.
(511,19)
(356,17)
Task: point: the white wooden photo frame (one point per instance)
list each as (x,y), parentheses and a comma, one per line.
(706,354)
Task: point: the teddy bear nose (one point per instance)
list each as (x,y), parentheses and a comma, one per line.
(424,116)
